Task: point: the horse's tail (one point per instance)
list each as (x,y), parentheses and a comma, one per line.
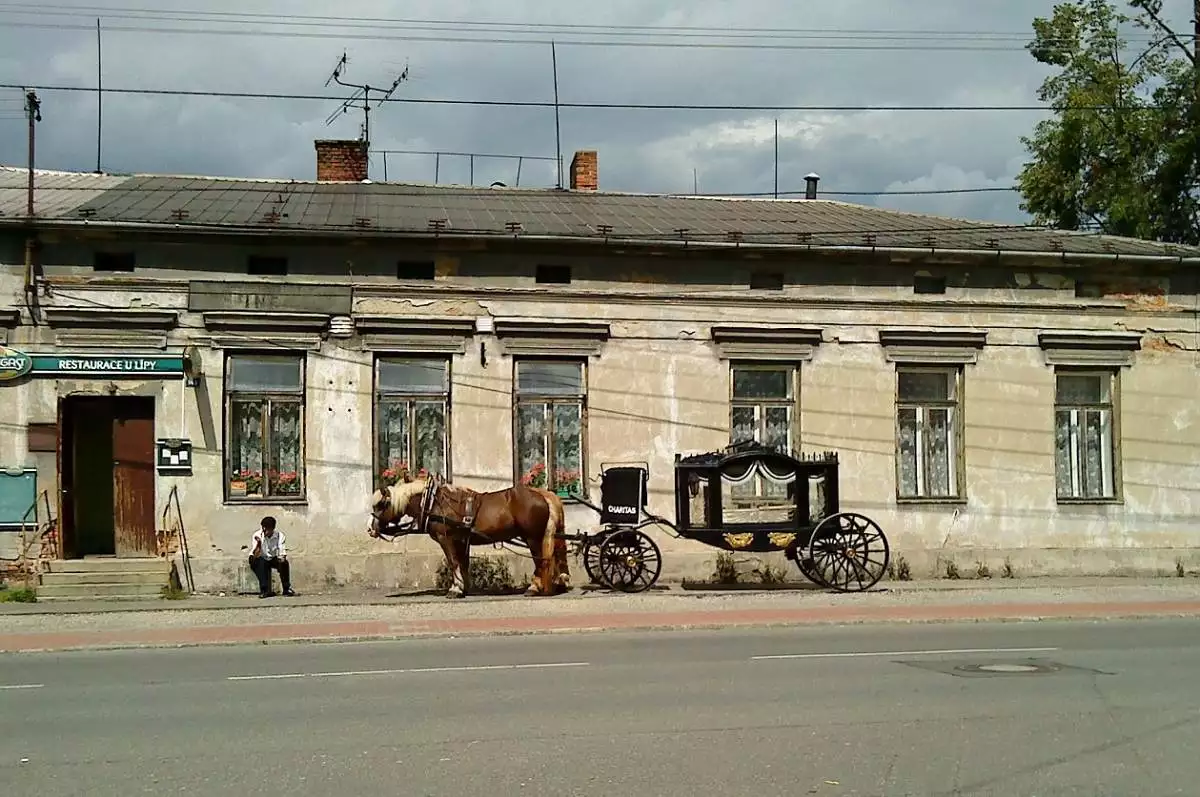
(555,520)
(562,576)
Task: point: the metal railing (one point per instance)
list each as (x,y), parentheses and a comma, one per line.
(173,502)
(40,529)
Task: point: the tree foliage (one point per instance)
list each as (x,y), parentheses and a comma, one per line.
(1132,168)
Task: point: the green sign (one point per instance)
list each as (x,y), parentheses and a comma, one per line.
(15,364)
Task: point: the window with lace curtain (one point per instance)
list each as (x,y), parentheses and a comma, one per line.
(264,432)
(412,408)
(1084,442)
(551,410)
(762,409)
(929,433)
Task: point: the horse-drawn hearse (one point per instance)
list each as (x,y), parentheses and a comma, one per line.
(745,498)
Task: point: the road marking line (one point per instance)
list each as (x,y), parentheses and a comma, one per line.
(351,673)
(22,686)
(870,654)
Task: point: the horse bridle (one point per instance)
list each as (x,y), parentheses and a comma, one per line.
(428,499)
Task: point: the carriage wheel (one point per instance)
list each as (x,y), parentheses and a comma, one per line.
(809,570)
(591,560)
(848,552)
(629,561)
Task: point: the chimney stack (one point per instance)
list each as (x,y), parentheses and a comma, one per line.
(341,161)
(810,190)
(585,171)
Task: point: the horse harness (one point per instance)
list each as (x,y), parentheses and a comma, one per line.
(428,501)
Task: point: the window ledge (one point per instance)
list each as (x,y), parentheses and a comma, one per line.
(931,501)
(540,338)
(920,346)
(109,318)
(1090,501)
(9,317)
(265,502)
(1110,349)
(790,344)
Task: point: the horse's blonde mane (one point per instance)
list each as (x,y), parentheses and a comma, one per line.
(404,492)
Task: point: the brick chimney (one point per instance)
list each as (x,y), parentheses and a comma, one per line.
(342,161)
(585,171)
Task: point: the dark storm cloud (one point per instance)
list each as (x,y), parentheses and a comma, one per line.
(639,150)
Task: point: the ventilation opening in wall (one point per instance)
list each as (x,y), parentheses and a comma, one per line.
(266,266)
(555,275)
(767,281)
(113,261)
(415,270)
(927,283)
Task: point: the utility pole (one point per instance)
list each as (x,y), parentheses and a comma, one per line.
(33,110)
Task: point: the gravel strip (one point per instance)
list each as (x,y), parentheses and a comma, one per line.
(277,611)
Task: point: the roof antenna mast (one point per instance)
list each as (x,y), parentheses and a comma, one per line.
(362,93)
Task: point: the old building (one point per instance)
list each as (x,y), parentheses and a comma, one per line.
(236,348)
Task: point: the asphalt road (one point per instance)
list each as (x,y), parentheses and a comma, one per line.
(1111,709)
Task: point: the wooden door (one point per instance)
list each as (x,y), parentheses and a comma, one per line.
(66,479)
(133,477)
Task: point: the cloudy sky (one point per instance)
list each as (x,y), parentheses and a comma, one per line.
(846,53)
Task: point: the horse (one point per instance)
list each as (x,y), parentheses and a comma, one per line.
(458,517)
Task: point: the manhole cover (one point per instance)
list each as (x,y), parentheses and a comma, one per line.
(1008,668)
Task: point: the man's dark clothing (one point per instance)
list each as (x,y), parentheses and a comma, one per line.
(262,567)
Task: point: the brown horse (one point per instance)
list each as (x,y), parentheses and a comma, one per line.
(458,517)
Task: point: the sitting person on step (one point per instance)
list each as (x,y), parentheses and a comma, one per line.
(267,552)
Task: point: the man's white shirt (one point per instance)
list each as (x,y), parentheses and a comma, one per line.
(272,547)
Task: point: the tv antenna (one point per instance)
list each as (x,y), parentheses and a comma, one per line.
(362,93)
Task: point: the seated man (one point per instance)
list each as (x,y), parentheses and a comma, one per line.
(267,551)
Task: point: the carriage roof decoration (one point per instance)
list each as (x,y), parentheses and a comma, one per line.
(746,497)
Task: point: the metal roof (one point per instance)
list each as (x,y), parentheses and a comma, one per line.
(399,208)
(55,194)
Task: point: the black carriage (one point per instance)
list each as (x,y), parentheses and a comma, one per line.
(747,498)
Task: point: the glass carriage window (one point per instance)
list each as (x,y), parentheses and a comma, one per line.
(929,424)
(1084,446)
(412,402)
(264,398)
(550,412)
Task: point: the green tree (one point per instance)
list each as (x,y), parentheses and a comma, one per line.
(1132,168)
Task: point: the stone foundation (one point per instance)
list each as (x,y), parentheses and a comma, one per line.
(414,571)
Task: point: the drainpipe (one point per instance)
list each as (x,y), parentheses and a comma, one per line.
(31,283)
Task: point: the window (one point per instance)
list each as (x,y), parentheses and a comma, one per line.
(550,402)
(1084,449)
(929,429)
(556,275)
(925,283)
(415,270)
(265,427)
(766,281)
(412,402)
(762,409)
(763,405)
(264,266)
(113,261)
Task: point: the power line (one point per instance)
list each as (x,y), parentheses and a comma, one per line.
(182,15)
(249,95)
(408,38)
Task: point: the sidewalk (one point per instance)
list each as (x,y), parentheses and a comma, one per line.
(347,617)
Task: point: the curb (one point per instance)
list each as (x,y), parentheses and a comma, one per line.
(650,626)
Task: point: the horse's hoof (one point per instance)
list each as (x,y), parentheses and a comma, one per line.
(456,595)
(531,593)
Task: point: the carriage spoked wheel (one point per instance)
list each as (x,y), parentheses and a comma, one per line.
(591,560)
(629,561)
(848,553)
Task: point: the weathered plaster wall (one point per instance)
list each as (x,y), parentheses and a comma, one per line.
(658,388)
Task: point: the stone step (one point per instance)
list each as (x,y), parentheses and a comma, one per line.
(109,565)
(99,598)
(106,577)
(87,591)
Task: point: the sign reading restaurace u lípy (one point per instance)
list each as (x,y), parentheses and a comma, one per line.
(16,364)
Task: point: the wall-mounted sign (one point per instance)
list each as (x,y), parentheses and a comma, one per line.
(175,457)
(16,364)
